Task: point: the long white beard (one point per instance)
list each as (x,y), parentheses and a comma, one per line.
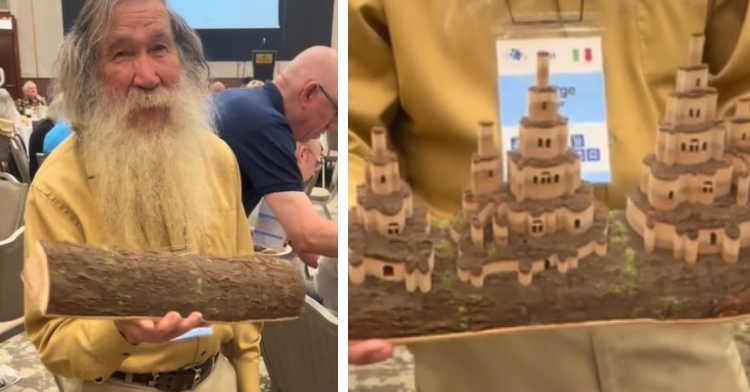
(151,177)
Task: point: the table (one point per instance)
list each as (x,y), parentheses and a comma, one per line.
(25,361)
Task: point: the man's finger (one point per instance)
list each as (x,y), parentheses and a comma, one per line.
(369,352)
(167,325)
(146,326)
(184,326)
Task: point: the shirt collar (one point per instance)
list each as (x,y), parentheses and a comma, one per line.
(274,95)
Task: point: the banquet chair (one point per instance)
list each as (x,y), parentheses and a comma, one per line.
(301,355)
(322,196)
(40,157)
(19,160)
(11,286)
(13,195)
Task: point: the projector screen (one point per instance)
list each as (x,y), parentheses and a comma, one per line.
(228,14)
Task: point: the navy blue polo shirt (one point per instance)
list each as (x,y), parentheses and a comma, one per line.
(252,123)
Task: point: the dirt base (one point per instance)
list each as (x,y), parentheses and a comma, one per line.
(624,285)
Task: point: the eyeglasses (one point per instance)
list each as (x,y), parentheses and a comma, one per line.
(334,105)
(316,155)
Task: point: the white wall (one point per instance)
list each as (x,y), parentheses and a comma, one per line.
(40,26)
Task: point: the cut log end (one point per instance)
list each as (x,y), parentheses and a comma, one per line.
(35,276)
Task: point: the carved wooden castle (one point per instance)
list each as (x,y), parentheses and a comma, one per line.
(692,198)
(693,193)
(545,217)
(395,244)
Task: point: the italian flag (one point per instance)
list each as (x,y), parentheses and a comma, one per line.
(582,55)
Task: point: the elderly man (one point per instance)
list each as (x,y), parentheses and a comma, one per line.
(31,99)
(261,127)
(142,170)
(307,155)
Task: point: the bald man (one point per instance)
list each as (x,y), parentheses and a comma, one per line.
(262,125)
(216,87)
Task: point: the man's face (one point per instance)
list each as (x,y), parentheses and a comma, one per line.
(321,109)
(307,157)
(30,91)
(139,59)
(144,137)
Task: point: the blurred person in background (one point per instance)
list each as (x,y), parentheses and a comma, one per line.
(8,113)
(216,87)
(262,126)
(38,135)
(31,99)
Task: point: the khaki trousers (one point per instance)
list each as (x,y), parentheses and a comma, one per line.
(638,358)
(223,379)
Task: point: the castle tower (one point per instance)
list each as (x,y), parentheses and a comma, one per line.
(689,133)
(389,236)
(694,188)
(486,166)
(382,174)
(545,217)
(738,127)
(544,167)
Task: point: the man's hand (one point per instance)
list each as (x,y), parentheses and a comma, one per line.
(157,332)
(309,259)
(369,352)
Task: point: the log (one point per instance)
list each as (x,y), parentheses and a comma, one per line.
(626,286)
(83,281)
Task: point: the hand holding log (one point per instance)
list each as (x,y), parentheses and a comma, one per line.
(137,331)
(83,281)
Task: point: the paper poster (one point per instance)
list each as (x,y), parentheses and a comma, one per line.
(576,68)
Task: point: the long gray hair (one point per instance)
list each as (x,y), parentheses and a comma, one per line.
(77,62)
(8,109)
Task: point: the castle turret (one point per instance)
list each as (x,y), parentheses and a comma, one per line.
(692,185)
(486,166)
(389,236)
(543,99)
(382,170)
(691,108)
(738,127)
(544,167)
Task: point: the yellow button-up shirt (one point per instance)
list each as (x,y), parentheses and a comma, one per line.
(60,207)
(426,70)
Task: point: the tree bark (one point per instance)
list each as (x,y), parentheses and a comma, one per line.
(625,286)
(82,281)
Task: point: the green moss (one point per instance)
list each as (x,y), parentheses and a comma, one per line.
(671,305)
(629,283)
(619,228)
(491,249)
(625,288)
(443,225)
(629,268)
(443,247)
(444,278)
